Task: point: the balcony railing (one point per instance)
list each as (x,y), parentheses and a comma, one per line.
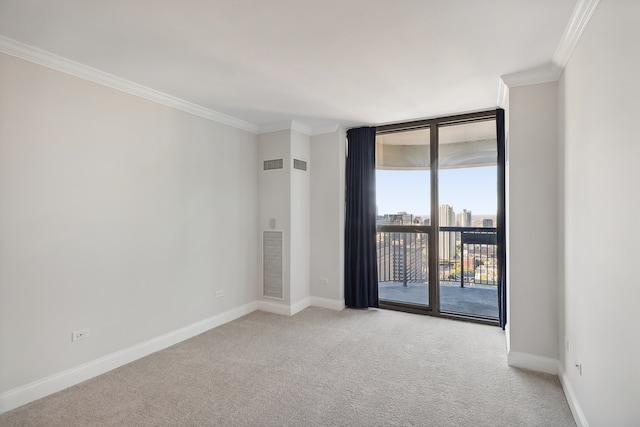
(402,254)
(467,255)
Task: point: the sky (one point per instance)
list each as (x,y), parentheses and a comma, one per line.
(474,189)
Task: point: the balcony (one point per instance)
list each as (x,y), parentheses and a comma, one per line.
(467,268)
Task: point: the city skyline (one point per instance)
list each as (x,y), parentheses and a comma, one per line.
(473,189)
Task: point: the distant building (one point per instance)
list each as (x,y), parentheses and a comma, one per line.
(487,222)
(463,219)
(447,239)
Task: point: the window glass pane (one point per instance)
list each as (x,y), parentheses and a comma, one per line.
(402,178)
(467,190)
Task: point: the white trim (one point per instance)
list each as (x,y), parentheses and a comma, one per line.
(288,125)
(300,305)
(274,307)
(275,127)
(38,389)
(548,72)
(576,410)
(324,129)
(503,94)
(50,60)
(533,362)
(298,127)
(332,304)
(579,19)
(283,308)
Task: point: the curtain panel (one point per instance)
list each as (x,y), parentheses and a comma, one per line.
(361,272)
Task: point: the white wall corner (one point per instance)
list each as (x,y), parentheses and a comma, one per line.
(331,304)
(544,73)
(533,362)
(576,409)
(503,94)
(274,307)
(300,305)
(579,19)
(321,130)
(38,389)
(552,70)
(282,307)
(298,127)
(286,125)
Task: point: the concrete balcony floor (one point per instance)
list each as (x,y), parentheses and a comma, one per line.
(476,300)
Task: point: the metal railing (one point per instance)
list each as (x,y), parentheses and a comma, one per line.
(402,254)
(467,255)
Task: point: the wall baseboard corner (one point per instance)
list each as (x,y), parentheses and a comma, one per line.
(533,362)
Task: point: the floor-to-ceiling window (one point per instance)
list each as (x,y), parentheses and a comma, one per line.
(437,188)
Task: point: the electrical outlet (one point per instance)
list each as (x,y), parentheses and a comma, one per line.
(79,335)
(220,293)
(324,280)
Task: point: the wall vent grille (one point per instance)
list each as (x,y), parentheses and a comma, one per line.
(299,164)
(274,164)
(272,268)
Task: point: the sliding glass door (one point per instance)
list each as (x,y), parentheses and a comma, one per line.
(437,219)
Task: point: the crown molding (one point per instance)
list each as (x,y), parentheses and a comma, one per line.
(548,72)
(325,129)
(503,94)
(298,127)
(552,70)
(581,16)
(50,60)
(277,127)
(301,127)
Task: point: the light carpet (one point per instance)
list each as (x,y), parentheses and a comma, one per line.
(317,368)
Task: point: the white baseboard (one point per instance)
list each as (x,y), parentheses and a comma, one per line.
(274,307)
(38,389)
(533,362)
(282,307)
(331,304)
(576,409)
(300,305)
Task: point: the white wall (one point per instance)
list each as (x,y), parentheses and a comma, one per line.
(118,215)
(275,200)
(532,209)
(284,196)
(300,219)
(600,102)
(327,218)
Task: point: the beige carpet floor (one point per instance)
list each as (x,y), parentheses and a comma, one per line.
(317,368)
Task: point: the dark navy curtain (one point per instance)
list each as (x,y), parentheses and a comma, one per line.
(361,272)
(502,247)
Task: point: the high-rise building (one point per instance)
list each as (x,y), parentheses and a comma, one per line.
(447,239)
(463,219)
(487,222)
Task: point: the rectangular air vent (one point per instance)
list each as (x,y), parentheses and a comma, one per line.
(272,268)
(269,165)
(299,164)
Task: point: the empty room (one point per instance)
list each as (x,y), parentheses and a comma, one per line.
(311,213)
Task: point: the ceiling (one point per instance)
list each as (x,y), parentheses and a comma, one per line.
(315,62)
